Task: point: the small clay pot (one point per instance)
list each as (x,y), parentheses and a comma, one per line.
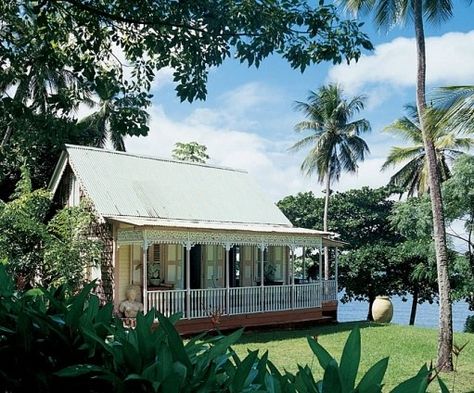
(382,309)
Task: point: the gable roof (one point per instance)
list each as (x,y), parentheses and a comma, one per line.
(129,185)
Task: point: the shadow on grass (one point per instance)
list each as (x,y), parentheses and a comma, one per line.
(278,334)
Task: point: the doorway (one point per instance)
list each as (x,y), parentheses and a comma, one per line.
(195,262)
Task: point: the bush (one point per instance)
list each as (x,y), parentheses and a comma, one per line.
(50,343)
(469,325)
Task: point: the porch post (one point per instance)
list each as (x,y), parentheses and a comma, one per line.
(262,293)
(304,264)
(145,274)
(227,278)
(320,274)
(188,246)
(292,257)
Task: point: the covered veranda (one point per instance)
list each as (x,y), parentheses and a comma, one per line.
(230,282)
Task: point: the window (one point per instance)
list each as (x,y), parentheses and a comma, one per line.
(156,253)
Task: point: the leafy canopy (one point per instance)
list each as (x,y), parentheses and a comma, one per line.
(192,151)
(59,55)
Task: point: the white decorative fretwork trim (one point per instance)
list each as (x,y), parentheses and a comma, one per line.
(131,235)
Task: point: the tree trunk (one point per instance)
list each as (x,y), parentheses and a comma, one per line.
(6,136)
(370,317)
(325,223)
(445,336)
(414,305)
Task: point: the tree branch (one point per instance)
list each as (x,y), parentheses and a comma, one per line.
(149,22)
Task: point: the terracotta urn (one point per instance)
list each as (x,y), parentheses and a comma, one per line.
(382,309)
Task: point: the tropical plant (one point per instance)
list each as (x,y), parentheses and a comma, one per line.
(50,253)
(342,377)
(71,252)
(51,342)
(192,151)
(387,14)
(335,143)
(413,176)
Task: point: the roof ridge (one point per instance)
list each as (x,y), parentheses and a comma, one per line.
(149,157)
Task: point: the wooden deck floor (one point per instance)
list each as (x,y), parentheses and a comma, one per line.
(327,313)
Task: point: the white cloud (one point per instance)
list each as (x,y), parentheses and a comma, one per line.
(392,66)
(231,142)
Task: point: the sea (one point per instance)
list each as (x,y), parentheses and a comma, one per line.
(426,315)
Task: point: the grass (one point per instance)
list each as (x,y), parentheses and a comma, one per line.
(408,348)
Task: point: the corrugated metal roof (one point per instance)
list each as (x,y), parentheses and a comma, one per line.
(123,184)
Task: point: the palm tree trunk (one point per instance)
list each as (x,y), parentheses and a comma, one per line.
(325,223)
(445,335)
(6,136)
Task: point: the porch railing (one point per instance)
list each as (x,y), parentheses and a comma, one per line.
(242,300)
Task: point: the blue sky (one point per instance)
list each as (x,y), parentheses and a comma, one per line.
(247,120)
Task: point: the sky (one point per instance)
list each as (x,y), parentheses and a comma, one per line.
(248,117)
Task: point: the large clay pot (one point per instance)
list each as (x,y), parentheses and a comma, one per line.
(382,309)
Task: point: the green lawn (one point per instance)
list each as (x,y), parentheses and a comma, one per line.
(408,348)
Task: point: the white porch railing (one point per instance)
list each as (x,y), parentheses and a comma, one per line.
(205,302)
(167,302)
(277,297)
(242,300)
(329,290)
(245,300)
(308,295)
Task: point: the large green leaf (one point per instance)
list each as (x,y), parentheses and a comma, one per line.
(442,386)
(164,362)
(371,382)
(77,307)
(175,342)
(332,379)
(350,360)
(322,355)
(416,384)
(243,375)
(80,369)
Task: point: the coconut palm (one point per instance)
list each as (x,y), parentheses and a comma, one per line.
(334,141)
(387,14)
(98,124)
(413,176)
(458,103)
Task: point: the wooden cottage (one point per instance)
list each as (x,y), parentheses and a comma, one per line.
(198,239)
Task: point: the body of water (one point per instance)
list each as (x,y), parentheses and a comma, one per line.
(426,315)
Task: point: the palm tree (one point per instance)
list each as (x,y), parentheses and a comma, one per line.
(98,124)
(413,176)
(458,104)
(192,151)
(335,144)
(387,14)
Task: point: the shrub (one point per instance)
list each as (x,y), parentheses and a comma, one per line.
(469,325)
(50,343)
